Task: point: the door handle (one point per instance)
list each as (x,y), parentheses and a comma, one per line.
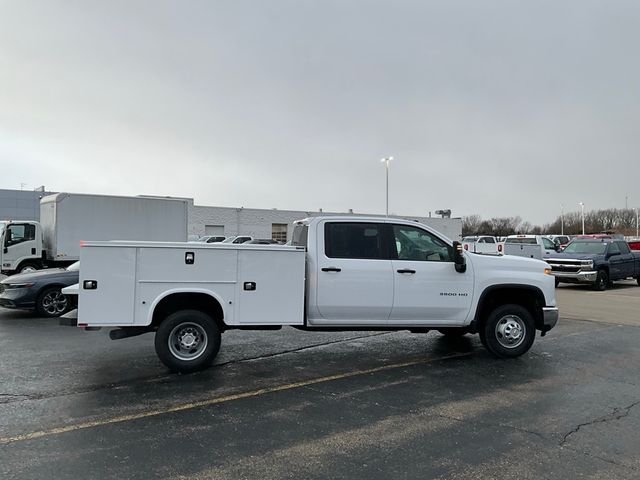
(406,270)
(331,269)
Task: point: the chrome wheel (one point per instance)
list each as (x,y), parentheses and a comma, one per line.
(187,341)
(28,269)
(510,331)
(54,303)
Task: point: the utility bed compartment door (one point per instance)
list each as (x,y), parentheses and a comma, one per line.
(107,286)
(270,287)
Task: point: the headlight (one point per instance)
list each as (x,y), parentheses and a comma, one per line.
(9,286)
(548,271)
(588,264)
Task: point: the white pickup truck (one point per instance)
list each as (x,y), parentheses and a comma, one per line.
(529,246)
(482,244)
(340,273)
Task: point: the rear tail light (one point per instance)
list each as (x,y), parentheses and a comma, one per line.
(499,248)
(466,247)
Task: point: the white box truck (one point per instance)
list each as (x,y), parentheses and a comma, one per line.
(340,273)
(66,219)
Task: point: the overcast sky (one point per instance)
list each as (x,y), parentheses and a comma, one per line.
(498,108)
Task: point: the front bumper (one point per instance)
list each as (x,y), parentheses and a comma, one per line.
(17,298)
(576,277)
(550,317)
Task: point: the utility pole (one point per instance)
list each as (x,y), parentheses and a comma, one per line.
(386,161)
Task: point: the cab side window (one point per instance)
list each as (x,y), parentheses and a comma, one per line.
(416,244)
(18,233)
(353,240)
(614,249)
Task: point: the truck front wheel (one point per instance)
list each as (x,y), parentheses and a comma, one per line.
(509,331)
(28,267)
(187,341)
(602,281)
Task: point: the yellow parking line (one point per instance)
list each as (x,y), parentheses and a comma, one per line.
(215,401)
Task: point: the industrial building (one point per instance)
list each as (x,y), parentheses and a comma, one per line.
(211,220)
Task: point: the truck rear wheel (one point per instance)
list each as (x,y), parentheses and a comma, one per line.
(509,331)
(187,341)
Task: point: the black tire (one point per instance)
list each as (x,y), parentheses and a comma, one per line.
(453,332)
(52,303)
(602,281)
(498,331)
(200,345)
(28,267)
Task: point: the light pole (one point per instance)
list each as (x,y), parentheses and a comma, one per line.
(637,234)
(561,219)
(386,161)
(582,207)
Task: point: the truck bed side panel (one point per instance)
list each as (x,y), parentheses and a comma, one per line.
(164,271)
(111,302)
(278,279)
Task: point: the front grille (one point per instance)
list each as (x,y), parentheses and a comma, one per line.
(566,266)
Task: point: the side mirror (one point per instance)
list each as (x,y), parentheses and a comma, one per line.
(458,258)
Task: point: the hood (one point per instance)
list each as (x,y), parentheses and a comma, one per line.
(508,262)
(35,276)
(574,256)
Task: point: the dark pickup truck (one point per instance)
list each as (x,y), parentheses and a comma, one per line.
(596,261)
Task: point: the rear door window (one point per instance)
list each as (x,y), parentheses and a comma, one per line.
(624,248)
(353,240)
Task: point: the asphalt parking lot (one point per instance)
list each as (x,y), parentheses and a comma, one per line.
(292,404)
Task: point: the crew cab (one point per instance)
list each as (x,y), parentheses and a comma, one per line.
(339,273)
(595,261)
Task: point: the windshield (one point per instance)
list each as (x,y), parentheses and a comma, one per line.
(74,267)
(593,248)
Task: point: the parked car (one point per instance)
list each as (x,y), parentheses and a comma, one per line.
(262,241)
(481,244)
(634,244)
(598,261)
(237,239)
(530,246)
(40,290)
(212,238)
